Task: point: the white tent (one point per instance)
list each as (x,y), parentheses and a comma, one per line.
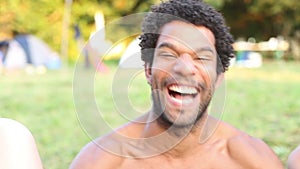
(38,54)
(131,58)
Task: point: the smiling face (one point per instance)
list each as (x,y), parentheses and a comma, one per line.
(183,73)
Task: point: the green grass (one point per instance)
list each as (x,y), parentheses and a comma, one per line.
(44,103)
(263,102)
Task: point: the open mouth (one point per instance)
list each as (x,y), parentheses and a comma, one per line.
(182,93)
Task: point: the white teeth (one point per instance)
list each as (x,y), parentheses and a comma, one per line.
(183,89)
(183,101)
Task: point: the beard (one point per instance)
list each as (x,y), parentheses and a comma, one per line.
(186,118)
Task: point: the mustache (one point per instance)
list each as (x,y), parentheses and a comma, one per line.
(185,81)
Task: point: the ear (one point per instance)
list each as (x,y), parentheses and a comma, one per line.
(148,74)
(219,80)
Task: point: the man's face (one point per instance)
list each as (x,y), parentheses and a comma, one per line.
(183,73)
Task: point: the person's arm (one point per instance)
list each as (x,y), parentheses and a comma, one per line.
(17,146)
(294,159)
(251,152)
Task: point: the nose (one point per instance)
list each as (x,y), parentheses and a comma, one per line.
(185,65)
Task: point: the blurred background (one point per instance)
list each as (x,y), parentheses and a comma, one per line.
(41,40)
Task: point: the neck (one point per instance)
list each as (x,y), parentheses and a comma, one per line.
(179,141)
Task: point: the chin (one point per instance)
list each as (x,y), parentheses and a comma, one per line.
(178,117)
(185,119)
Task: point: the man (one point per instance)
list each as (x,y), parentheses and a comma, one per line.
(186,48)
(294,159)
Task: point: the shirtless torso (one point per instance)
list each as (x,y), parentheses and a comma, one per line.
(227,147)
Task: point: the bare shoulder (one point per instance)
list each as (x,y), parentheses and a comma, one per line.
(25,152)
(93,156)
(106,151)
(294,159)
(12,129)
(250,151)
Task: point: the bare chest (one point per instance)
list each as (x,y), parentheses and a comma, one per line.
(197,161)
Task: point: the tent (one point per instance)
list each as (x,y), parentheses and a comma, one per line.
(131,58)
(26,50)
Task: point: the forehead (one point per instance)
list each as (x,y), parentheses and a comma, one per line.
(192,36)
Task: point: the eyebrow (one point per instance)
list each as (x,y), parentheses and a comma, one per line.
(203,49)
(167,45)
(198,50)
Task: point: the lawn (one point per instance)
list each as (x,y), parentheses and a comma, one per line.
(264,102)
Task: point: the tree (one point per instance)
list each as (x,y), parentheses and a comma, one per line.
(262,19)
(44,18)
(40,18)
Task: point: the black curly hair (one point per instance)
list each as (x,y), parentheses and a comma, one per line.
(191,11)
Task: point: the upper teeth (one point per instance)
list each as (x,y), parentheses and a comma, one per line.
(183,89)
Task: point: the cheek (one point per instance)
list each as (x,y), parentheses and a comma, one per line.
(208,73)
(160,69)
(156,76)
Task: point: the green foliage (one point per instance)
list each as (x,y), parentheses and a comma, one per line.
(44,18)
(215,3)
(262,19)
(285,15)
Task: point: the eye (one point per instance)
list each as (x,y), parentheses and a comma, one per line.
(202,57)
(168,54)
